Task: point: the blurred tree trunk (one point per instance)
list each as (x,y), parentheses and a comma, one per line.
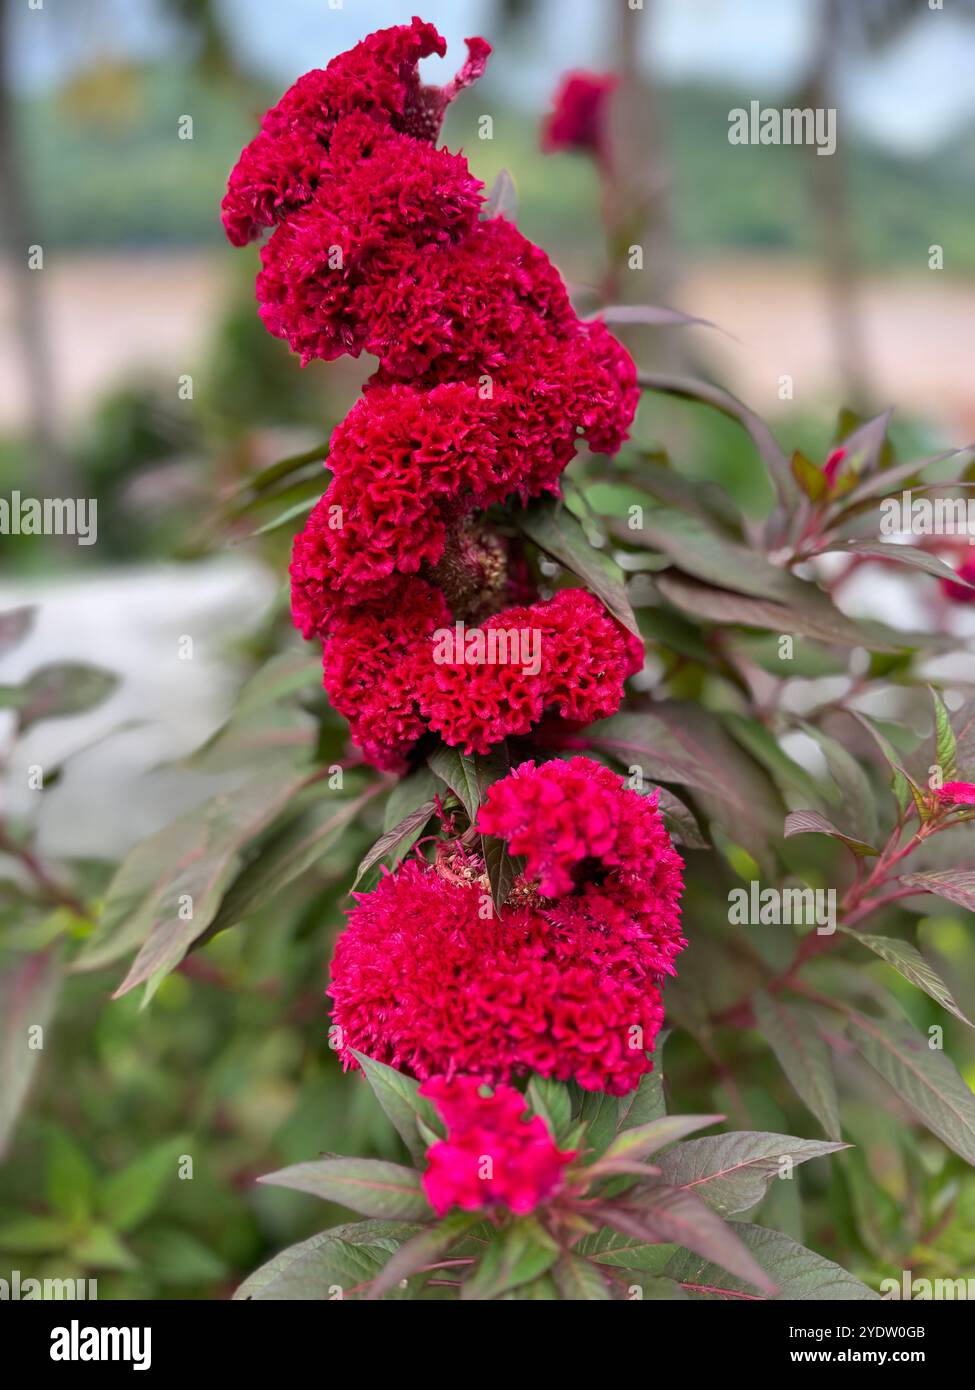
(828,193)
(19,231)
(638,196)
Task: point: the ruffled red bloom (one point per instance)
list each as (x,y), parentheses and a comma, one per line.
(957,793)
(492,1155)
(428,979)
(405,464)
(583,657)
(389,669)
(280,169)
(369,668)
(961,593)
(579,118)
(564,816)
(384,198)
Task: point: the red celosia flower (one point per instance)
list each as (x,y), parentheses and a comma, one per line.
(565,816)
(428,979)
(579,118)
(369,668)
(566,657)
(957,793)
(402,460)
(280,169)
(492,1155)
(583,657)
(385,198)
(961,593)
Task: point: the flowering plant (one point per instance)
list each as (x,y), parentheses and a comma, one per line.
(586,730)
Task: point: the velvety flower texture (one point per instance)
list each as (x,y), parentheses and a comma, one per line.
(381,671)
(957,793)
(961,593)
(486,382)
(566,815)
(429,979)
(281,168)
(578,120)
(492,1156)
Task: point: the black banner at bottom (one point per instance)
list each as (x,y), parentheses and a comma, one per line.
(173,1338)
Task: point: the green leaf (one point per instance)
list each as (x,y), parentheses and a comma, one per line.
(401,1102)
(127,1197)
(28,992)
(287,854)
(410,792)
(609,1247)
(672,744)
(957,885)
(282,676)
(292,513)
(364,1185)
(178,1258)
(809,476)
(923,1077)
(425,1248)
(799,1273)
(328,1265)
(803,1056)
(520,1253)
(551,1100)
(69,1180)
(400,838)
(61,691)
(674,1216)
(785,771)
(908,961)
(600,1114)
(100,1248)
(680,820)
(554,529)
(904,788)
(647,1102)
(857,797)
(579,1281)
(641,1141)
(946,750)
(459,772)
(187,865)
(36,1235)
(731,1172)
(813,823)
(909,555)
(656,1289)
(502,868)
(805,613)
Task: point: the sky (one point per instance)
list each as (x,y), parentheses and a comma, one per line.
(911,98)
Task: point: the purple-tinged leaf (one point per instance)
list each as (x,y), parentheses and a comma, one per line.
(813,823)
(362,1184)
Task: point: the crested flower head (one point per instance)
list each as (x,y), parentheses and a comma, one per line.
(566,818)
(283,165)
(493,1155)
(430,978)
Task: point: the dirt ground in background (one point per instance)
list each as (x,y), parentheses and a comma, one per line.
(113,317)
